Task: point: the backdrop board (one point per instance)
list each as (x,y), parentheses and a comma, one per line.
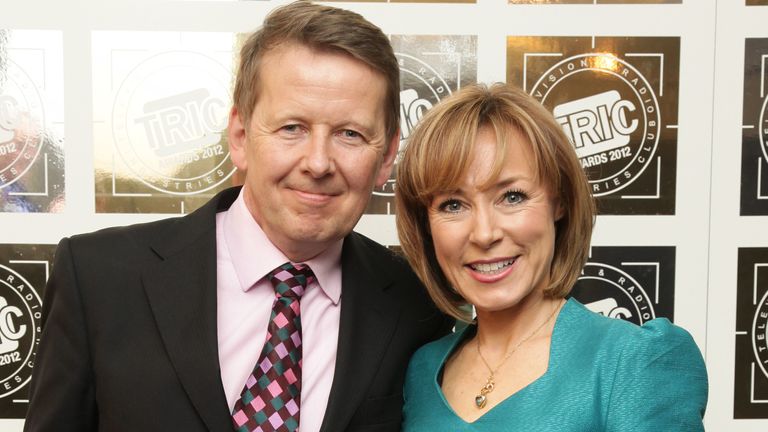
(617,99)
(31,121)
(754,147)
(114,112)
(161,101)
(593,1)
(636,284)
(431,68)
(24,269)
(751,372)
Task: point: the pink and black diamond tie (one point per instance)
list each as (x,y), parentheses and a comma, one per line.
(272,394)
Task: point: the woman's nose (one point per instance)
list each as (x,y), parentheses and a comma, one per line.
(485,231)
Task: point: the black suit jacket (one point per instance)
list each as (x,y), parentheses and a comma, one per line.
(129,332)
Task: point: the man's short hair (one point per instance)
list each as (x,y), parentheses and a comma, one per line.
(438,157)
(322,28)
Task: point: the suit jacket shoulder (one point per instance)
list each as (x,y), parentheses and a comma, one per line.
(385,316)
(165,236)
(390,270)
(136,309)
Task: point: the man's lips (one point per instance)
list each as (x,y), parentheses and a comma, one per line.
(314,196)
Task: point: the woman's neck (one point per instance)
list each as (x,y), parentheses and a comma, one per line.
(499,331)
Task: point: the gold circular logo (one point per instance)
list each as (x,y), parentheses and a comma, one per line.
(167,122)
(763,122)
(20,313)
(609,112)
(21,122)
(760,334)
(611,292)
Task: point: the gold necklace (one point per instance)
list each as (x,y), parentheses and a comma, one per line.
(482,398)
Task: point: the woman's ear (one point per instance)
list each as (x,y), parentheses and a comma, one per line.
(559,210)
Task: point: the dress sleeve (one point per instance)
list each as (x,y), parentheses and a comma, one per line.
(412,401)
(62,390)
(660,382)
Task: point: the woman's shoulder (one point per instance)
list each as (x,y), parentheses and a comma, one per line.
(624,346)
(653,376)
(655,336)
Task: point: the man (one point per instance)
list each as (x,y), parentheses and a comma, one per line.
(160,326)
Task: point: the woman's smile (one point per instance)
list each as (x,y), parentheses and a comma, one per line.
(494,237)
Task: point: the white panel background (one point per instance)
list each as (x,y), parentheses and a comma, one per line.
(706,229)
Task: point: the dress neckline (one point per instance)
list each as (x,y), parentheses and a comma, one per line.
(470,330)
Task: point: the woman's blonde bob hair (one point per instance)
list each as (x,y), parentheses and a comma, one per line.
(438,155)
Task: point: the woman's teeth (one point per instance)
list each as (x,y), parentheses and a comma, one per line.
(492,268)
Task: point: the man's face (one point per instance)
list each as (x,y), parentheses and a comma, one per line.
(314,149)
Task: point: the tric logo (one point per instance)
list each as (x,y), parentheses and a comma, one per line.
(11,330)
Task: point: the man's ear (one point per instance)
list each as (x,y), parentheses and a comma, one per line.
(237,137)
(389,160)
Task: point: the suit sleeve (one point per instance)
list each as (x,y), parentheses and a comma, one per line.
(62,396)
(660,383)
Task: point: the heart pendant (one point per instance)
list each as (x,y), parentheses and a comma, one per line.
(480,400)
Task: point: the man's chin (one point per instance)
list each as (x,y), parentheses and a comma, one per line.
(303,245)
(317,237)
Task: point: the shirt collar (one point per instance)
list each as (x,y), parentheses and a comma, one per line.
(253,255)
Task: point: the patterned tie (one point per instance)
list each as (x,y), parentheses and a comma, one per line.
(271,398)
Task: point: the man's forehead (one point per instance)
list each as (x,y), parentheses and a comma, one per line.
(324,79)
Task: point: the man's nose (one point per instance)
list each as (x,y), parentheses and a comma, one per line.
(318,158)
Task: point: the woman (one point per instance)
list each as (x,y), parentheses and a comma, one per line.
(494,211)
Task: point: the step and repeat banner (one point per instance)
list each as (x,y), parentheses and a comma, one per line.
(114,113)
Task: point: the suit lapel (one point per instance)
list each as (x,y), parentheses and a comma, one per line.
(368,318)
(181,289)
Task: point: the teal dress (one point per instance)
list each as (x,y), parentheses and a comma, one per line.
(604,374)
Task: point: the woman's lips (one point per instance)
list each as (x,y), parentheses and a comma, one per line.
(491,271)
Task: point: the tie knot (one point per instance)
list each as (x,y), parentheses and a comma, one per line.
(290,280)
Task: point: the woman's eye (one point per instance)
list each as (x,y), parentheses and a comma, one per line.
(512,197)
(450,206)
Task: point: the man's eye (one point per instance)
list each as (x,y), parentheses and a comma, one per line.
(348,133)
(291,128)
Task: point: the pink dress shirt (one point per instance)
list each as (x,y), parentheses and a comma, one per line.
(244,255)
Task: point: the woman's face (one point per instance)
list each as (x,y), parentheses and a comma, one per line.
(495,244)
